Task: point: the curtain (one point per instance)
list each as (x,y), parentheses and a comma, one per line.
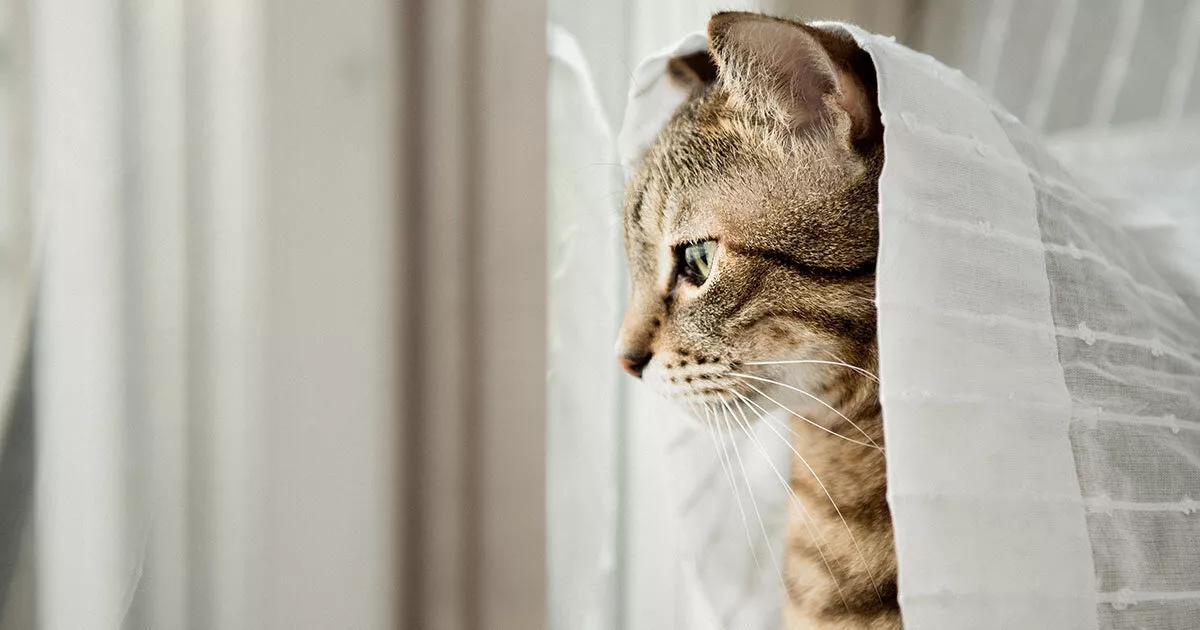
(287,322)
(1042,462)
(206,420)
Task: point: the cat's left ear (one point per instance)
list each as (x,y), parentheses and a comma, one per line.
(800,74)
(693,72)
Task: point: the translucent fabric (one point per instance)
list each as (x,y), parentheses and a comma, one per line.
(688,563)
(1015,446)
(988,515)
(1040,363)
(582,403)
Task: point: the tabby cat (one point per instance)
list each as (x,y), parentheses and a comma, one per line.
(751,231)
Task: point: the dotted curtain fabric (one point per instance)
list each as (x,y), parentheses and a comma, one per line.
(1040,368)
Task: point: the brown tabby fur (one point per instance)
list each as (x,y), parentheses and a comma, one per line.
(776,155)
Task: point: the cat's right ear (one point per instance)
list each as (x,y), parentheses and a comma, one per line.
(693,72)
(795,73)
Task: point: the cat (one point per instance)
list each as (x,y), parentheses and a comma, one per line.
(751,232)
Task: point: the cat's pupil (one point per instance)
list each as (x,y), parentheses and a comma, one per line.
(697,260)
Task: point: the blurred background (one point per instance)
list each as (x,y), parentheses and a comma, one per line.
(307,308)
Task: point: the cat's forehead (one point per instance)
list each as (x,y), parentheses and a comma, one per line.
(694,157)
(706,139)
(712,156)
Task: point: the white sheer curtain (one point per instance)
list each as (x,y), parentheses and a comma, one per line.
(1114,85)
(1069,64)
(17,241)
(210,300)
(288,350)
(1123,325)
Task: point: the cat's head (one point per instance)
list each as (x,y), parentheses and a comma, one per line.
(751,226)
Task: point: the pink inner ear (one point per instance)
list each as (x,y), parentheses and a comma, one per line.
(853,99)
(788,64)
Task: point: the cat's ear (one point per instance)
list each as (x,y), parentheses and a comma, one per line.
(798,73)
(694,71)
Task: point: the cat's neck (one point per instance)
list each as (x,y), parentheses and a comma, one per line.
(840,525)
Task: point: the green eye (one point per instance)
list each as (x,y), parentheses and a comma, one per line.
(698,260)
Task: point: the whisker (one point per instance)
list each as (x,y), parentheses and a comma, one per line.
(715,531)
(817,425)
(808,520)
(750,490)
(817,478)
(719,447)
(784,424)
(864,372)
(814,397)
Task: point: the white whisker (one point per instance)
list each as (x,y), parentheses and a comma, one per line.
(815,424)
(719,447)
(750,490)
(817,478)
(808,521)
(816,398)
(864,372)
(835,357)
(784,424)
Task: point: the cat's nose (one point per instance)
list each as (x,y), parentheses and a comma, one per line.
(635,362)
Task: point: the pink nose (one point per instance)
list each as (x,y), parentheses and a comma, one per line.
(635,363)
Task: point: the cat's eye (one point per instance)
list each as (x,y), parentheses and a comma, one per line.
(698,261)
